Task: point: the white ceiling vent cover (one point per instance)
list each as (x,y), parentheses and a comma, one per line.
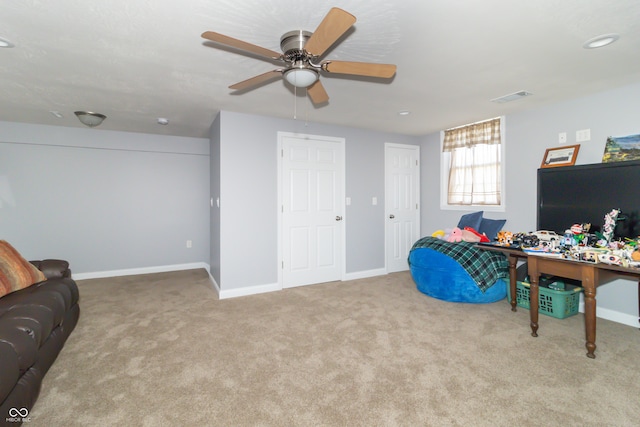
(511,97)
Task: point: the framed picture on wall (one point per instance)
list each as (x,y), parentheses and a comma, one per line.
(621,148)
(561,156)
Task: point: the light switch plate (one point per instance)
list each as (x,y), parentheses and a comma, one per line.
(583,135)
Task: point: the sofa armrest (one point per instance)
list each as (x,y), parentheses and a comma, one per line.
(53,268)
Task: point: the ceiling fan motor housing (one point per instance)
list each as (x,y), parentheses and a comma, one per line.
(292,44)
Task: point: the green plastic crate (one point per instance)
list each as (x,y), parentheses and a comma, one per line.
(555,303)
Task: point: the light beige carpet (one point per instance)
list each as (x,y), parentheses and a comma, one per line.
(162,350)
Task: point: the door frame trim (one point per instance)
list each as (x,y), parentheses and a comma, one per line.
(418,196)
(341,146)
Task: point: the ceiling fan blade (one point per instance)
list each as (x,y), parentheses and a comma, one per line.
(317,93)
(368,69)
(239,44)
(257,80)
(332,27)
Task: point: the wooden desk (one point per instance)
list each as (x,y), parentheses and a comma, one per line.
(590,274)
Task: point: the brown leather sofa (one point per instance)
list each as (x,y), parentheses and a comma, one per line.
(35,322)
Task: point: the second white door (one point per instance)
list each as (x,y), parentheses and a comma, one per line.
(402,203)
(312,209)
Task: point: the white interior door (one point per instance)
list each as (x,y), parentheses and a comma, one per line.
(402,203)
(312,209)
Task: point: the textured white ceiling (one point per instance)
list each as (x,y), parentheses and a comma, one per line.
(138,60)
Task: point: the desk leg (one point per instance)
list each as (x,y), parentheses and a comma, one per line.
(513,279)
(589,285)
(534,276)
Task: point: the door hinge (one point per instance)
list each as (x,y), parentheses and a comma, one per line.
(283,265)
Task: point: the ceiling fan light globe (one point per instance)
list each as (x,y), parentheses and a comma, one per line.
(301,77)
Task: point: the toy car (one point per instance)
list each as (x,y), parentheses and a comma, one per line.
(546,236)
(529,240)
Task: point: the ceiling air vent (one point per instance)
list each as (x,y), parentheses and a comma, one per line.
(511,97)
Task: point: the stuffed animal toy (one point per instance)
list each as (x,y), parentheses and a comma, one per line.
(442,234)
(471,235)
(456,235)
(438,234)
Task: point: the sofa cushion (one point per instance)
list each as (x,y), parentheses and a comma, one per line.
(22,343)
(10,371)
(16,272)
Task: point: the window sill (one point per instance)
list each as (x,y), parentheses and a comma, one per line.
(473,208)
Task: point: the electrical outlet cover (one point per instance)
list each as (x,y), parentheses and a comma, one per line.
(562,138)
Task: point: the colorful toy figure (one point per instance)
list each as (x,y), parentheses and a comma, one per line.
(577,229)
(569,238)
(505,237)
(609,227)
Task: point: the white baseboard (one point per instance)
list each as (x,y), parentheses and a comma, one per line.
(248,290)
(222,293)
(365,274)
(142,270)
(272,287)
(614,316)
(216,287)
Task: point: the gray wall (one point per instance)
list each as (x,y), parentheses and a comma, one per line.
(113,200)
(249,193)
(214,168)
(104,200)
(528,135)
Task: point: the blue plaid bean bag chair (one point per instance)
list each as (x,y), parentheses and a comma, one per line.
(458,272)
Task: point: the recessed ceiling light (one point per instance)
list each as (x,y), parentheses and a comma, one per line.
(56,114)
(404,113)
(163,121)
(5,43)
(600,41)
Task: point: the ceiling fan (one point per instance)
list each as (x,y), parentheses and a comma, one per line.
(301,55)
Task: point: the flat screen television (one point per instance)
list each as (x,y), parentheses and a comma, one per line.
(586,193)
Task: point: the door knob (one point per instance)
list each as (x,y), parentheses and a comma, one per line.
(392,216)
(338,218)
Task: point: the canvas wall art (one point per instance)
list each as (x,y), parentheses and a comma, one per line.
(622,148)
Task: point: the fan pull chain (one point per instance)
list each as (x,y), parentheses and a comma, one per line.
(295,103)
(306,108)
(295,107)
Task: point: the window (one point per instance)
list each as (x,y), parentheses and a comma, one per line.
(472,165)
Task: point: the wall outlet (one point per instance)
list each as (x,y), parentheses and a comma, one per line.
(189,244)
(562,138)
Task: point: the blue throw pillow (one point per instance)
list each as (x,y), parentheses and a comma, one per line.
(471,220)
(490,227)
